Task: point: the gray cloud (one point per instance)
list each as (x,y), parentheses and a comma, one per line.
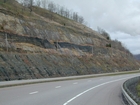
(112,15)
(129,41)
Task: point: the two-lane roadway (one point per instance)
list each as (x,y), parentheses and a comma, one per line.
(104,90)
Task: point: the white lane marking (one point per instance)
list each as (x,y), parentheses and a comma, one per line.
(33,93)
(75,83)
(58,87)
(92,89)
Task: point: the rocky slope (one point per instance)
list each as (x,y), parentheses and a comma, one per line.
(42,44)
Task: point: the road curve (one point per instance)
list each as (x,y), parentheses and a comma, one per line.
(92,91)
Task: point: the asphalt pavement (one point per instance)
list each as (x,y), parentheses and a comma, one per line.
(105,90)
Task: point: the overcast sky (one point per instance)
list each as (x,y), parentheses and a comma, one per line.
(120,18)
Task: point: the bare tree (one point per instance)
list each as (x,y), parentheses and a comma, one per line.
(38,3)
(103,32)
(30,5)
(58,9)
(81,20)
(45,3)
(62,11)
(75,16)
(71,14)
(25,3)
(51,7)
(66,13)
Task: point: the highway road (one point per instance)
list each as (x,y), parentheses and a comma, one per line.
(104,90)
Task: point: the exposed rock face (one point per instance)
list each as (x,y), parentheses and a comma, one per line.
(36,47)
(29,57)
(30,65)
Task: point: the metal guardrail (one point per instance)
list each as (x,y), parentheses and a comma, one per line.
(128,95)
(128,98)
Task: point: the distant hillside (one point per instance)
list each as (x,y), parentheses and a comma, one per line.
(137,56)
(36,43)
